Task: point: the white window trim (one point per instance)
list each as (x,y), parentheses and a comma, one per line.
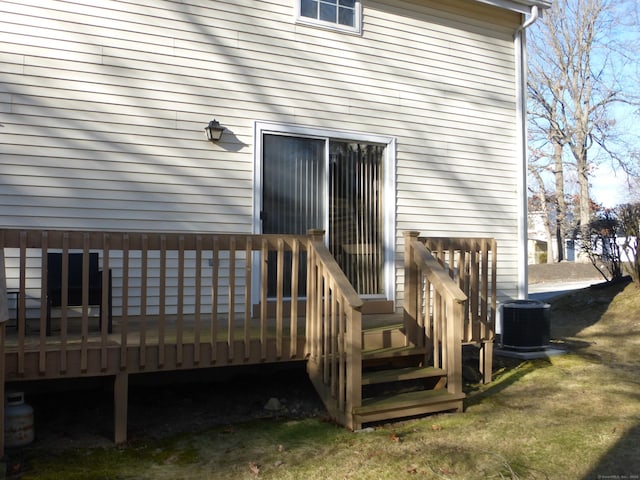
(389,184)
(314,22)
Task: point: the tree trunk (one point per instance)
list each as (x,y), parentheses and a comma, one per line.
(583,182)
(561,204)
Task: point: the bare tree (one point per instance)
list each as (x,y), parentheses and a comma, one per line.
(576,78)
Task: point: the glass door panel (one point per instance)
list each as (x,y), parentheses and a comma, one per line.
(293,190)
(300,194)
(355,218)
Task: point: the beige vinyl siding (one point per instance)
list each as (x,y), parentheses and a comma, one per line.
(103,109)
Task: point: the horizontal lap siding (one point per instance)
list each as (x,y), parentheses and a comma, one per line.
(103,108)
(456,172)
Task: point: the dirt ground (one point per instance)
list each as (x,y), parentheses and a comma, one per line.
(79,414)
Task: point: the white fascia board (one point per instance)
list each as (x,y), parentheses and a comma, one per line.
(519,6)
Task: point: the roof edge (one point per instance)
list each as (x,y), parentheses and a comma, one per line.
(520,6)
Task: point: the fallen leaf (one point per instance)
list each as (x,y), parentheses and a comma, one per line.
(278,463)
(412,469)
(435,427)
(255,468)
(394,437)
(281,448)
(171,460)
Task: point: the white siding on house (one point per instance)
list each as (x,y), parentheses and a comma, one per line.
(103,107)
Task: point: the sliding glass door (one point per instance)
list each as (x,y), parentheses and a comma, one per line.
(330,184)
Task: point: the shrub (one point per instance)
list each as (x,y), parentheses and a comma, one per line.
(599,242)
(629,220)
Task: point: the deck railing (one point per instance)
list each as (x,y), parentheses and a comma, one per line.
(434,310)
(187,300)
(471,263)
(178,301)
(334,334)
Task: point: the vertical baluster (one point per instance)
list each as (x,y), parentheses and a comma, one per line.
(484,284)
(232,300)
(437,329)
(86,244)
(247,298)
(198,301)
(23,291)
(124,319)
(494,285)
(474,290)
(64,293)
(264,281)
(295,269)
(279,295)
(42,357)
(180,312)
(105,309)
(421,316)
(163,300)
(342,350)
(144,285)
(215,270)
(325,315)
(335,350)
(427,308)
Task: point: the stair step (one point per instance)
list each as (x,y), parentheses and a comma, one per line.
(392,352)
(400,375)
(384,336)
(407,405)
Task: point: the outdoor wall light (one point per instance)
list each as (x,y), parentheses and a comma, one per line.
(214,130)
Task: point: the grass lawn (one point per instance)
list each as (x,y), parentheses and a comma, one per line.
(575,416)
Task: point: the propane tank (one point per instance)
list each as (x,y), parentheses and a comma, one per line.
(18,425)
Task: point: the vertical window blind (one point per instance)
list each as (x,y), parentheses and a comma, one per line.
(301,193)
(355,219)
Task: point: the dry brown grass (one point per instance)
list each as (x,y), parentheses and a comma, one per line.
(575,416)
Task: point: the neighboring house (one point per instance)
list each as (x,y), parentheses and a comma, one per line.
(538,247)
(362,118)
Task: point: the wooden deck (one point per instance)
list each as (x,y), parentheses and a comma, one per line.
(138,350)
(171,295)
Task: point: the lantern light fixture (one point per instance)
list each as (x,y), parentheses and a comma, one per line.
(214,130)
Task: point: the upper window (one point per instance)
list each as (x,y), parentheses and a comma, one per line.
(337,14)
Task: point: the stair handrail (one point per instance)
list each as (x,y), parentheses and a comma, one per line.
(472,263)
(334,332)
(419,264)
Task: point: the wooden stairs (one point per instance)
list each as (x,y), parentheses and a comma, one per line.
(370,364)
(398,380)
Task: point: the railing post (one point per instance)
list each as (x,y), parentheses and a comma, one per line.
(354,366)
(454,345)
(315,235)
(313,302)
(411,282)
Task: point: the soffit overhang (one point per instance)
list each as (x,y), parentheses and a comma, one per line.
(520,6)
